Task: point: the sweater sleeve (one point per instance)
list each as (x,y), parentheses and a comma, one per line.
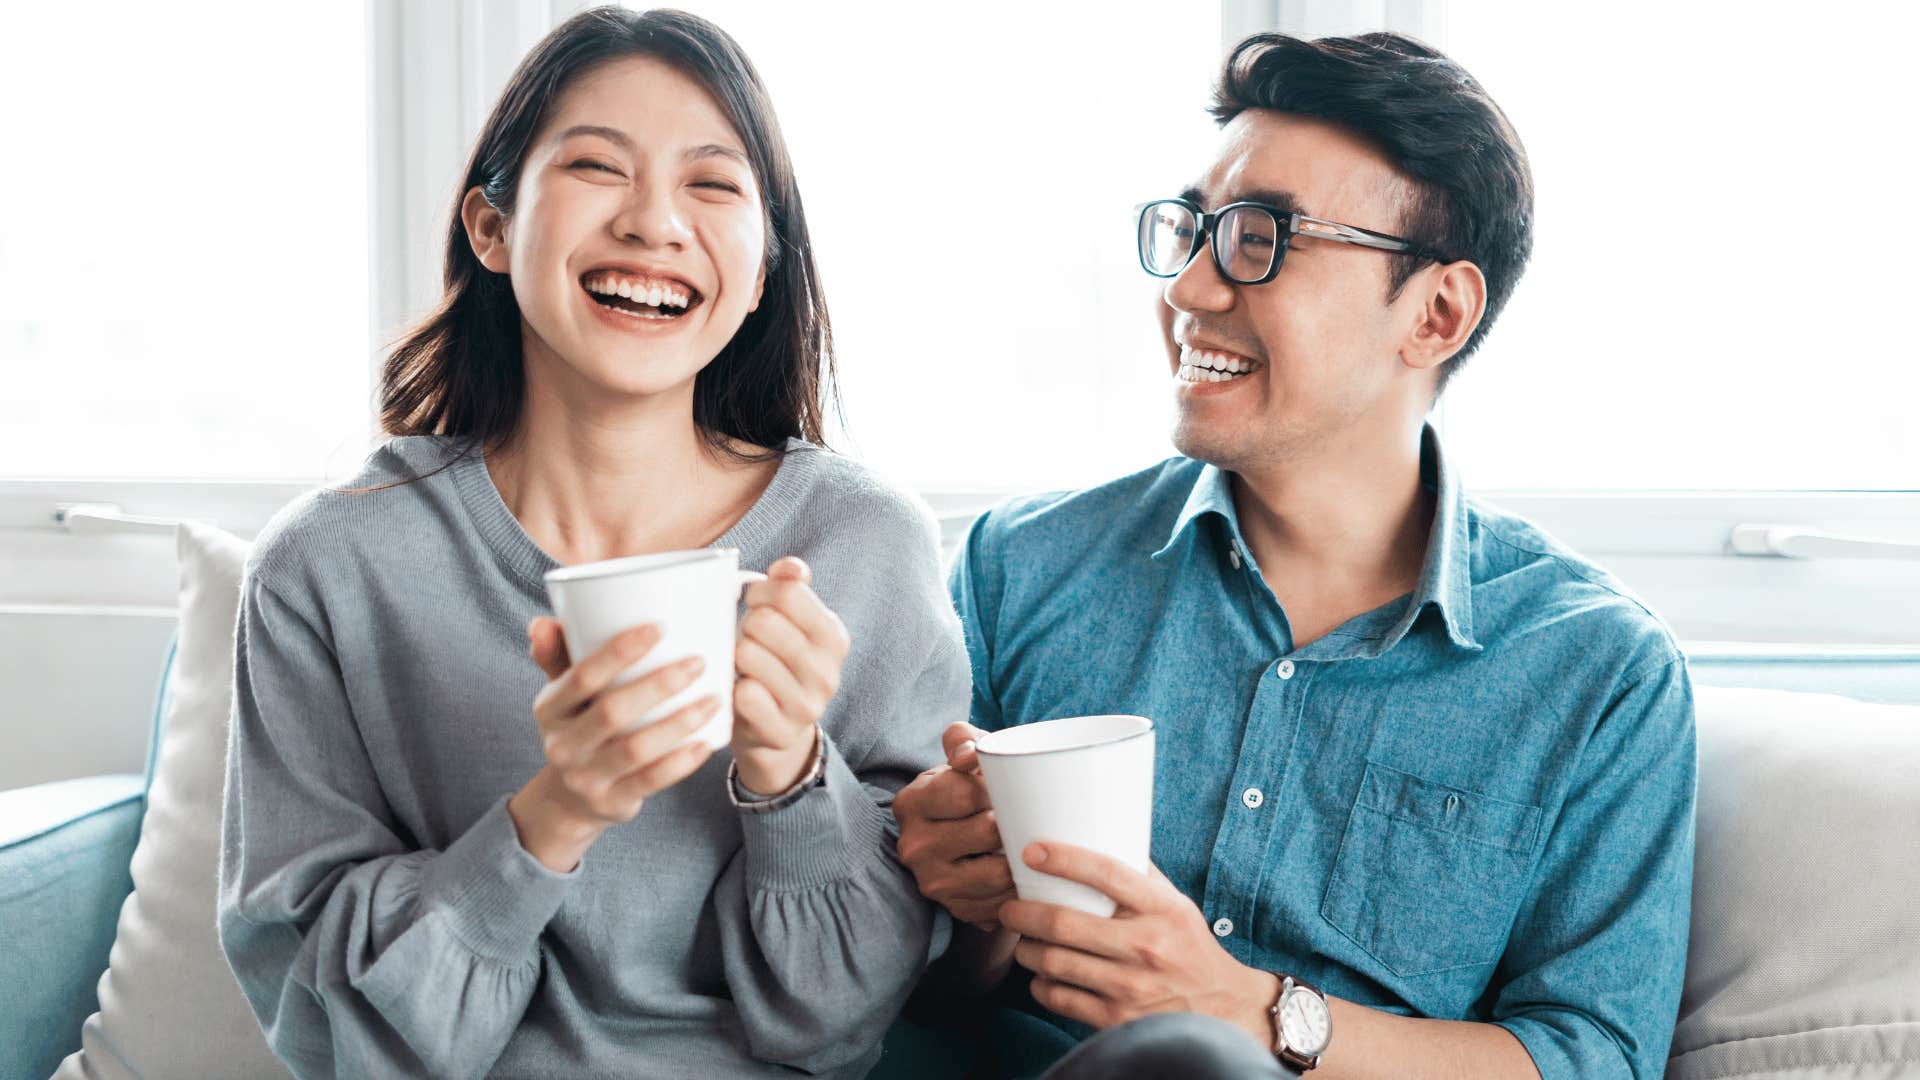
(822,929)
(360,954)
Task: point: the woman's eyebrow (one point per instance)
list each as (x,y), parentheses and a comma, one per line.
(612,135)
(619,138)
(707,150)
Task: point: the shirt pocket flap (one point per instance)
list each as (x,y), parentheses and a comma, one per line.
(1507,825)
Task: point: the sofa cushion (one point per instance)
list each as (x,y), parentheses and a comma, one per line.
(1804,959)
(169,1006)
(64,848)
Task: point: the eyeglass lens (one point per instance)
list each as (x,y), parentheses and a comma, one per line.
(1246,240)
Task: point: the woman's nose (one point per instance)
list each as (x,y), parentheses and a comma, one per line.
(650,217)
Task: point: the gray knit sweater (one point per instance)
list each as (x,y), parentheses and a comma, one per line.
(375,903)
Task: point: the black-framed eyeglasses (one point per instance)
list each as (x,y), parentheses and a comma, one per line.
(1249,239)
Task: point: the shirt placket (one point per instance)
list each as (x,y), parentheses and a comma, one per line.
(1259,779)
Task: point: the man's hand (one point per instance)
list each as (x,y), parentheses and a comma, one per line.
(1156,954)
(948,837)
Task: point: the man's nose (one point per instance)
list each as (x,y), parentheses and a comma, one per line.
(1199,286)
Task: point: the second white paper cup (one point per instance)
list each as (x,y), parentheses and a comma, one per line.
(1082,780)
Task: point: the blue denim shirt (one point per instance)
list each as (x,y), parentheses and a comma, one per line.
(1474,802)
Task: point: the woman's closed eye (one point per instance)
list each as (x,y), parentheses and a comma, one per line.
(590,164)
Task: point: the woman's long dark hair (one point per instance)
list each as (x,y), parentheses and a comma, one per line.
(460,372)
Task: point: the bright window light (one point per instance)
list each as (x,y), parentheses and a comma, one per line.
(1724,252)
(970,173)
(183,260)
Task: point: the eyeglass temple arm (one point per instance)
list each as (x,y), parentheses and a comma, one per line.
(1349,234)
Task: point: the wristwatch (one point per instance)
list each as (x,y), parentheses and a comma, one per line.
(1302,1026)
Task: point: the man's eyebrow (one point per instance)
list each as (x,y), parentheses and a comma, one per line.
(1281,200)
(1284,201)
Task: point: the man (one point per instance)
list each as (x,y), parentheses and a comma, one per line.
(1419,766)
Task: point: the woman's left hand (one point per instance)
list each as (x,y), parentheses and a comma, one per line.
(789,657)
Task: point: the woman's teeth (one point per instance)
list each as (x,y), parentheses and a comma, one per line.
(1205,365)
(641,299)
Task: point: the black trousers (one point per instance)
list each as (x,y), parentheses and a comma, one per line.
(1170,1046)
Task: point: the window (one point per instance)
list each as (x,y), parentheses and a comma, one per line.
(1723,254)
(183,261)
(969,174)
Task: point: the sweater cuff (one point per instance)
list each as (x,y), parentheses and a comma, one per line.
(495,896)
(824,837)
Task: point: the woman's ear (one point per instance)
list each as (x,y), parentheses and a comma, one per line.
(759,290)
(486,231)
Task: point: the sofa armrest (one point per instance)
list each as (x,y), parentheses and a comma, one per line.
(65,851)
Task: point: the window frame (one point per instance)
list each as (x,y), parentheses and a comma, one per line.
(1671,547)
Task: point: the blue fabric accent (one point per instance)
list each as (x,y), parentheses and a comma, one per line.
(1886,677)
(162,705)
(61,887)
(1474,802)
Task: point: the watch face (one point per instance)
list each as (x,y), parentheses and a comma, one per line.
(1304,1023)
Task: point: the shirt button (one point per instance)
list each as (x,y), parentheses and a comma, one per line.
(1222,927)
(1233,555)
(1285,670)
(1253,798)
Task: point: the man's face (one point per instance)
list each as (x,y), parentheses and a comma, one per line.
(1320,343)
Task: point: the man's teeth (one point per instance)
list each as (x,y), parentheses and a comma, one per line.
(640,292)
(1205,365)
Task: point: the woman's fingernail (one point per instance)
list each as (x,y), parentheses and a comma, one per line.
(967,747)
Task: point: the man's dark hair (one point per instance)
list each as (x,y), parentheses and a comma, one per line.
(1473,190)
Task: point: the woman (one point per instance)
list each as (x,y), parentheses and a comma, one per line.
(420,880)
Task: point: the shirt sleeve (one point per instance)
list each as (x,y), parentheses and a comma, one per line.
(359,955)
(823,931)
(1590,983)
(972,599)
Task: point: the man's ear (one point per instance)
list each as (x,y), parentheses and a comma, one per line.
(486,231)
(1454,299)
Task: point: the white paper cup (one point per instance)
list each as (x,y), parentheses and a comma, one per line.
(1083,780)
(692,596)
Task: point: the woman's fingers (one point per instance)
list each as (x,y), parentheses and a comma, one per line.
(548,645)
(575,689)
(633,752)
(617,711)
(789,590)
(642,784)
(812,668)
(755,661)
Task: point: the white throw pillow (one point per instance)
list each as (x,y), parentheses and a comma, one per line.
(169,1005)
(1805,952)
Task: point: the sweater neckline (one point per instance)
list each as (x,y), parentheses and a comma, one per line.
(527,562)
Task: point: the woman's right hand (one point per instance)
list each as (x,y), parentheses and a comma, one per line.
(598,771)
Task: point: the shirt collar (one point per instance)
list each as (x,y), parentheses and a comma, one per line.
(1446,577)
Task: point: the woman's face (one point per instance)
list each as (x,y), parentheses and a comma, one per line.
(637,243)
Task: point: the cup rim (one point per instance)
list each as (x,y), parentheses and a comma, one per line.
(631,564)
(980,745)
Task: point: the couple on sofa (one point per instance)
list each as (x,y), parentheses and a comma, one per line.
(1425,778)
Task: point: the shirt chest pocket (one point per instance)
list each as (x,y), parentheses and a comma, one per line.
(1428,876)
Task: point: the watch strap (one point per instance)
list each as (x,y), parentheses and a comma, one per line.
(1287,1055)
